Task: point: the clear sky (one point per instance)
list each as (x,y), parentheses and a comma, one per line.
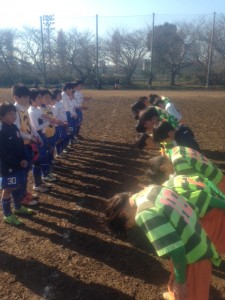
(81,13)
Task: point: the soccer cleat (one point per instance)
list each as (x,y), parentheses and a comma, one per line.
(52,175)
(24,211)
(40,189)
(28,201)
(12,220)
(46,185)
(32,196)
(48,178)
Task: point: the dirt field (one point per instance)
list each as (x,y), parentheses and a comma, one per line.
(64,252)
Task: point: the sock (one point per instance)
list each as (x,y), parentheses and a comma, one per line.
(6,207)
(37,175)
(16,195)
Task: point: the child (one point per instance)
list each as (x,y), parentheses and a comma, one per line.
(13,163)
(138,106)
(48,134)
(186,161)
(164,132)
(21,95)
(165,104)
(39,124)
(169,223)
(79,99)
(204,197)
(70,109)
(144,141)
(152,117)
(62,126)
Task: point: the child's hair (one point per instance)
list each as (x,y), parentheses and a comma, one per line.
(146,115)
(55,92)
(33,94)
(141,140)
(78,82)
(5,108)
(154,171)
(158,101)
(20,90)
(44,92)
(113,217)
(67,86)
(153,98)
(142,99)
(161,130)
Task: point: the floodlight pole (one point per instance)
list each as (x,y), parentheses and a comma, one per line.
(43,53)
(210,52)
(48,21)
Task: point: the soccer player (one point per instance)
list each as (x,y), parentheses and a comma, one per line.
(62,126)
(12,165)
(186,161)
(170,224)
(153,116)
(165,103)
(165,133)
(69,105)
(21,95)
(206,200)
(79,99)
(138,106)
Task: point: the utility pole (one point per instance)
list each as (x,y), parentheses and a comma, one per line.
(97,48)
(152,46)
(210,52)
(43,52)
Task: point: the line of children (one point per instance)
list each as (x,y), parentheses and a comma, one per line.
(152,119)
(165,208)
(42,125)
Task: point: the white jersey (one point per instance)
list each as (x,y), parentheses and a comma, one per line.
(65,100)
(170,108)
(36,119)
(24,135)
(79,98)
(59,111)
(72,107)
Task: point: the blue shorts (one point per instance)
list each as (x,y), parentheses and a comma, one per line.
(13,181)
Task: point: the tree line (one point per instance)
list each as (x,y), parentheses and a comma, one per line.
(182,49)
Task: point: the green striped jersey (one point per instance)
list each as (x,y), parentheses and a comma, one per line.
(189,162)
(169,222)
(195,190)
(164,116)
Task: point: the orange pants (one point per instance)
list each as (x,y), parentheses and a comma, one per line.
(221,185)
(198,279)
(214,224)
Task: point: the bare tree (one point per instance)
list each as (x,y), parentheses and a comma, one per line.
(76,50)
(125,50)
(31,49)
(8,53)
(173,46)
